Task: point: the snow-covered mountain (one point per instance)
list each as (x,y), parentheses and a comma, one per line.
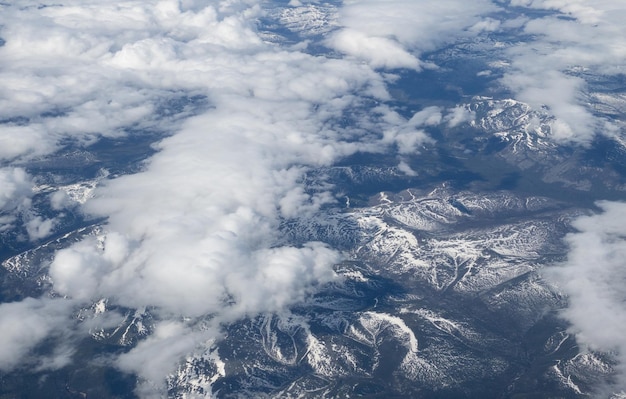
(310,199)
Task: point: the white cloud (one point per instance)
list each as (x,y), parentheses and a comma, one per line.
(38,227)
(593,277)
(18,141)
(406,169)
(195,234)
(581,9)
(544,71)
(459,115)
(80,70)
(16,187)
(101,67)
(487,25)
(16,190)
(407,135)
(429,116)
(380,52)
(60,200)
(394,34)
(158,355)
(27,323)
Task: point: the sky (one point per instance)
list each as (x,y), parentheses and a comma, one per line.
(194,234)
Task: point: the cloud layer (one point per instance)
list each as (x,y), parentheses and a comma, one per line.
(551,68)
(194,236)
(394,35)
(16,189)
(593,278)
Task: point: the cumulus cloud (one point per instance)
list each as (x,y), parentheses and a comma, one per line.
(593,277)
(380,52)
(194,236)
(545,71)
(16,190)
(394,34)
(82,70)
(38,227)
(26,324)
(157,355)
(408,135)
(459,115)
(16,185)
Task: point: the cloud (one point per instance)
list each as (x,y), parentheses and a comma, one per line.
(26,324)
(459,115)
(16,190)
(592,277)
(16,211)
(74,72)
(577,8)
(406,168)
(15,186)
(20,141)
(407,135)
(38,227)
(158,355)
(194,235)
(395,34)
(379,52)
(546,71)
